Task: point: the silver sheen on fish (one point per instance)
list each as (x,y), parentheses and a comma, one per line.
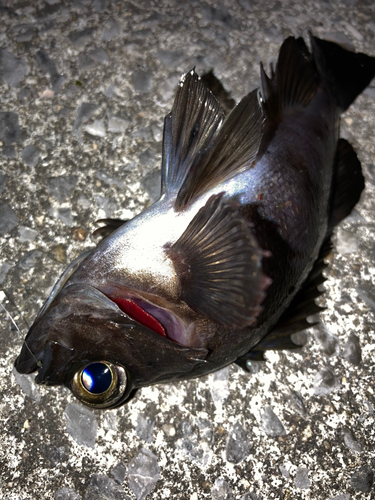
(227,263)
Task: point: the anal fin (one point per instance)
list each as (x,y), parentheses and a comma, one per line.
(219,264)
(294,318)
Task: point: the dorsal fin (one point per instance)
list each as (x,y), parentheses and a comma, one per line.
(194,119)
(293,84)
(233,150)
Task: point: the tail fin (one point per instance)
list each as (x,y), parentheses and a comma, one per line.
(345,73)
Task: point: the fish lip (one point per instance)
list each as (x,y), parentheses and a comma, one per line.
(176,329)
(26,366)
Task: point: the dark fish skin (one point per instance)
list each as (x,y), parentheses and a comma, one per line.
(226,264)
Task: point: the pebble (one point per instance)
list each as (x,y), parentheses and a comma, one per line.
(145,427)
(352,350)
(81,424)
(65,215)
(362,479)
(96,128)
(302,480)
(8,218)
(80,37)
(191,447)
(295,403)
(107,179)
(56,454)
(111,30)
(4,268)
(24,94)
(86,63)
(347,242)
(119,472)
(9,128)
(26,35)
(151,183)
(47,65)
(110,91)
(99,55)
(83,202)
(251,496)
(30,155)
(219,386)
(3,181)
(27,385)
(102,487)
(325,382)
(270,423)
(61,187)
(143,473)
(84,113)
(221,490)
(220,15)
(67,494)
(100,5)
(238,446)
(168,88)
(58,253)
(27,234)
(9,152)
(30,260)
(117,125)
(13,69)
(107,205)
(329,342)
(350,440)
(147,157)
(141,81)
(170,58)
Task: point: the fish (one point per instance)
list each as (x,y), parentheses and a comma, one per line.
(227,263)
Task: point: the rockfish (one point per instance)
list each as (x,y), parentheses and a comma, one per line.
(227,262)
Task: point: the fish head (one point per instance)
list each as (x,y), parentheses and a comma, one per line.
(83,340)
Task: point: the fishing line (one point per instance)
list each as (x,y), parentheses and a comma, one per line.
(39,364)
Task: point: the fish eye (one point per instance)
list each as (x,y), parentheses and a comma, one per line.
(99,384)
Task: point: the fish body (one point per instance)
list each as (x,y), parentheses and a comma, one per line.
(229,258)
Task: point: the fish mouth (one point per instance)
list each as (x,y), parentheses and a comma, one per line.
(156,318)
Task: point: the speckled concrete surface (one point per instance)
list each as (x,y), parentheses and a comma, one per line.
(85,86)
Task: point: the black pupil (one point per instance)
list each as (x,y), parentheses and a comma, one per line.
(96,378)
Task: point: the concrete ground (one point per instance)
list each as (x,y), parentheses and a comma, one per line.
(84,88)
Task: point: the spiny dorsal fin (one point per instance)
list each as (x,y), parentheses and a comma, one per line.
(195,116)
(233,150)
(344,73)
(293,84)
(348,183)
(219,264)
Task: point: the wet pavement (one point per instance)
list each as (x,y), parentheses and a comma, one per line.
(84,88)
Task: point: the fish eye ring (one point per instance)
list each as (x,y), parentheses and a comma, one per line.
(99,384)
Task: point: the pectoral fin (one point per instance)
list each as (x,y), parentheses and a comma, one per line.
(219,264)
